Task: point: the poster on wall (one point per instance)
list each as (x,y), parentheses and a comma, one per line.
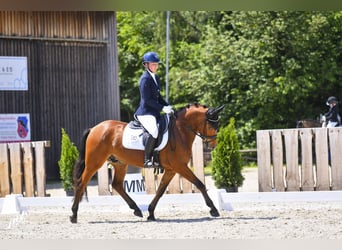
(13,73)
(15,128)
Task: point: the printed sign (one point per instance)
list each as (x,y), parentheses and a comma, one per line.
(134,183)
(13,73)
(15,127)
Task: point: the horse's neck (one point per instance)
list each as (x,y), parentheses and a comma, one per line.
(185,133)
(187,126)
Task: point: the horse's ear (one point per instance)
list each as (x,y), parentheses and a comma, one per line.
(219,109)
(214,111)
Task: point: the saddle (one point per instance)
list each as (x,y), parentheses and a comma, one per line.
(135,135)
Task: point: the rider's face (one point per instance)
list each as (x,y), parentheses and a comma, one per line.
(153,67)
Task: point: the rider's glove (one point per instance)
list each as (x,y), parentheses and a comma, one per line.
(167,109)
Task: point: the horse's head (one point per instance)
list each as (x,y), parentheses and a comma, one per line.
(212,119)
(212,116)
(203,121)
(300,124)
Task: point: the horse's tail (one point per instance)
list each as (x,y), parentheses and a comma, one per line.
(80,163)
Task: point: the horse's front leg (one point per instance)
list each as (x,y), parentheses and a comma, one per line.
(190,176)
(164,182)
(118,185)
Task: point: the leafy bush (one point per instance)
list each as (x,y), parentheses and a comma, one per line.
(69,155)
(226,159)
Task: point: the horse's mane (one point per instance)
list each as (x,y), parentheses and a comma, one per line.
(196,104)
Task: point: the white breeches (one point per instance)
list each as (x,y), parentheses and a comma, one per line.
(331,124)
(150,124)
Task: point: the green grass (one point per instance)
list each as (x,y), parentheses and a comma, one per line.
(208,168)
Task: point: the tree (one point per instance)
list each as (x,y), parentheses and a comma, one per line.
(68,158)
(138,33)
(226,159)
(266,69)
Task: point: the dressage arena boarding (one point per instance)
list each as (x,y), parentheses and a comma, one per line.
(304,159)
(307,159)
(22,171)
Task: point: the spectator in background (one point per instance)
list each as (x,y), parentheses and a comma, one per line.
(332,117)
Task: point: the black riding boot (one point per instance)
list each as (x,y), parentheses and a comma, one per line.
(149,147)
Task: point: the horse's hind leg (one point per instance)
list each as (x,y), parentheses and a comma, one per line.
(79,189)
(164,182)
(118,185)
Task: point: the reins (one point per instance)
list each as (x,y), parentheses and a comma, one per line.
(171,133)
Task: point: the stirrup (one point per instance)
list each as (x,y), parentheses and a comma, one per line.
(148,164)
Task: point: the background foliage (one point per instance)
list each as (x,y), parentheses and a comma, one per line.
(270,69)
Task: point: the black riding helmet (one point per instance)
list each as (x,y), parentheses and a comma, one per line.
(331,99)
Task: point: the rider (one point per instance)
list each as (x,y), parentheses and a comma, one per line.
(332,117)
(151,103)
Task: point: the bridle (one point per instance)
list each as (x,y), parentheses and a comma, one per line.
(213,120)
(203,136)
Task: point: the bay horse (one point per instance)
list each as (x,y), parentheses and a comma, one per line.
(309,123)
(104,141)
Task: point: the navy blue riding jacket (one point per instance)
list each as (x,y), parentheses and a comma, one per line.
(151,102)
(331,115)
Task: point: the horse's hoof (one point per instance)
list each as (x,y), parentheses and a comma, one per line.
(73,219)
(151,218)
(214,213)
(138,213)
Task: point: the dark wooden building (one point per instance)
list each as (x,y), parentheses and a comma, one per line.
(72,73)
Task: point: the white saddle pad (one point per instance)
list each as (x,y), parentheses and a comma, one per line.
(133,139)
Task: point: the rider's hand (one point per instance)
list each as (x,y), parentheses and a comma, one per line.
(167,109)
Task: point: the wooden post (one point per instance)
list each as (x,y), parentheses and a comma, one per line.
(174,185)
(335,146)
(16,173)
(187,186)
(4,171)
(307,172)
(150,180)
(198,161)
(264,161)
(292,169)
(28,169)
(103,180)
(39,147)
(322,166)
(277,160)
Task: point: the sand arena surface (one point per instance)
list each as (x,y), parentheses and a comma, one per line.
(248,220)
(288,220)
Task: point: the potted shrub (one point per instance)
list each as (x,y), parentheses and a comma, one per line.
(226,159)
(69,155)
